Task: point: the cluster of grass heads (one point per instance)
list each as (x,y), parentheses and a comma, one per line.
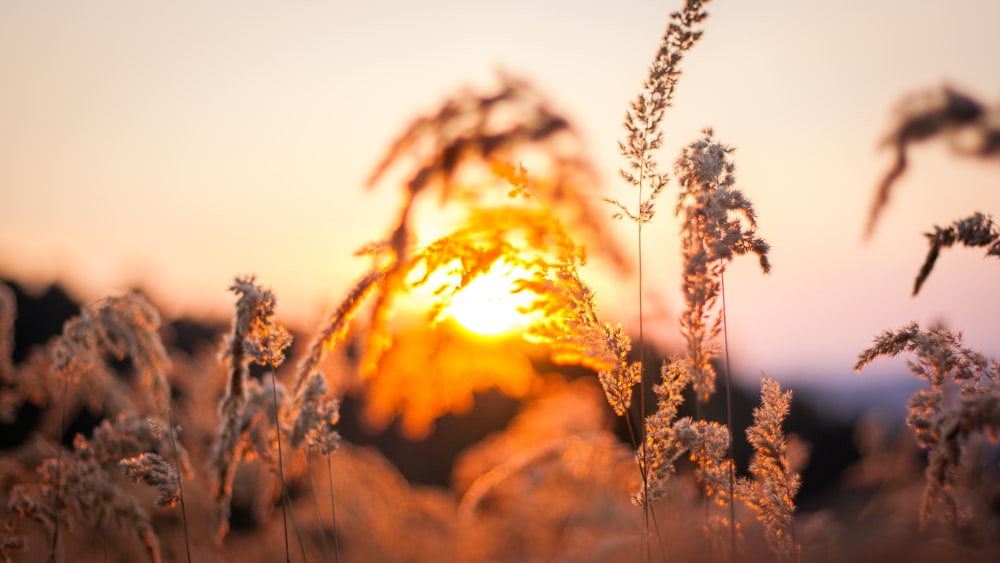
(216,447)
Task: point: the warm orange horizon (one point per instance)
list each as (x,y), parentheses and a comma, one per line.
(175,147)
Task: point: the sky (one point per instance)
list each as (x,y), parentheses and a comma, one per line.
(174,145)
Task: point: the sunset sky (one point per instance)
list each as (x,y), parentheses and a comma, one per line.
(173,145)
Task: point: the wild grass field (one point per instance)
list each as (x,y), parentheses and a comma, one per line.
(130,437)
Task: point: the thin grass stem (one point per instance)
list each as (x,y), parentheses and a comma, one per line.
(281,468)
(287,501)
(319,515)
(729,424)
(333,509)
(62,424)
(642,387)
(180,483)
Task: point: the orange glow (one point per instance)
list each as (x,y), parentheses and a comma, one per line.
(491,305)
(430,371)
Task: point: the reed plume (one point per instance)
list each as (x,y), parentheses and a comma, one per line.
(771,493)
(970,126)
(254,338)
(511,218)
(942,427)
(977,230)
(718,223)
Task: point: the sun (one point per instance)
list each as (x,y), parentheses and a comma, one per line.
(490,305)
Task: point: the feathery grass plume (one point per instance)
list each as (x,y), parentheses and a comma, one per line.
(521,234)
(531,240)
(335,327)
(256,338)
(317,410)
(977,230)
(256,438)
(942,427)
(99,502)
(775,482)
(317,415)
(79,487)
(77,361)
(643,137)
(619,381)
(569,324)
(153,470)
(972,128)
(663,447)
(568,319)
(645,113)
(127,326)
(123,326)
(472,135)
(708,446)
(453,151)
(527,241)
(705,443)
(718,223)
(470,130)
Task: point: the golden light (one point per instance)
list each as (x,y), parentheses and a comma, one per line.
(491,305)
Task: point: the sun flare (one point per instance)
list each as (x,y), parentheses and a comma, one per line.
(490,305)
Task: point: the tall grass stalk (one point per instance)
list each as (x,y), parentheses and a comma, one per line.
(319,514)
(729,422)
(643,137)
(180,484)
(58,489)
(333,509)
(281,466)
(295,523)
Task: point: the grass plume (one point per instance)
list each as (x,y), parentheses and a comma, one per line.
(977,230)
(943,427)
(771,493)
(718,223)
(254,338)
(971,126)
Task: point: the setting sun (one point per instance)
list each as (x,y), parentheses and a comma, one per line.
(490,304)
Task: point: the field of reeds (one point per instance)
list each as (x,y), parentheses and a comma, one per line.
(129,437)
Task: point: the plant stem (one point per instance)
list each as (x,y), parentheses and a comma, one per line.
(729,425)
(56,501)
(180,483)
(295,524)
(642,388)
(281,469)
(333,509)
(319,515)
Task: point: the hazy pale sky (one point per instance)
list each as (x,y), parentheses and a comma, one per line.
(176,144)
